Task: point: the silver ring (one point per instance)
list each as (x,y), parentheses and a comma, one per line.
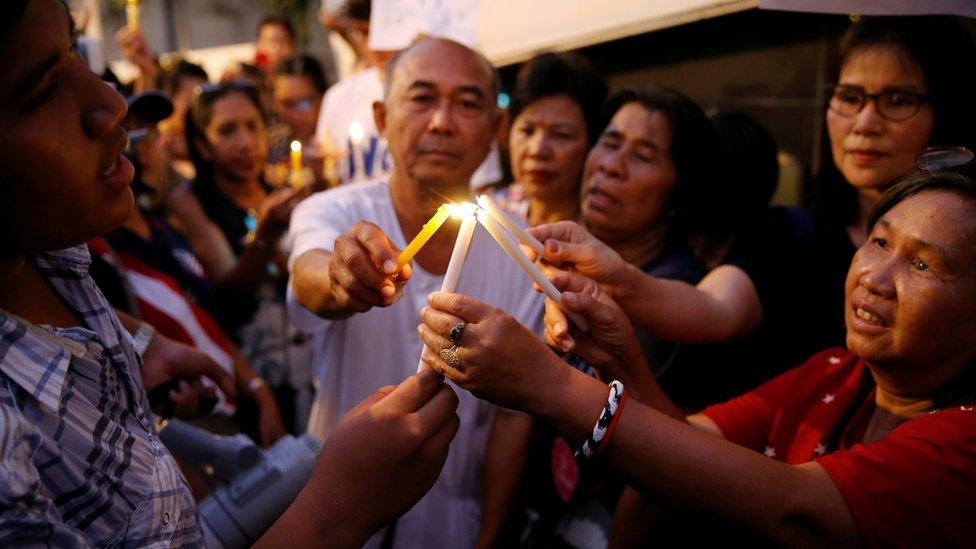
(457,331)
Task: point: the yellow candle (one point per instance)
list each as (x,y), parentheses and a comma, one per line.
(329,168)
(132,14)
(296,156)
(428,230)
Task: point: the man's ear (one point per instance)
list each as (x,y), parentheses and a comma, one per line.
(379,117)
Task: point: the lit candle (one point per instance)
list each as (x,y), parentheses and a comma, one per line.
(296,175)
(461,243)
(132,14)
(329,168)
(510,224)
(428,230)
(511,247)
(356,135)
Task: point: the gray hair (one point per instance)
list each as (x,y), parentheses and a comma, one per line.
(496,84)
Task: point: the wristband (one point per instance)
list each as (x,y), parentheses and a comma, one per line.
(589,446)
(142,337)
(613,425)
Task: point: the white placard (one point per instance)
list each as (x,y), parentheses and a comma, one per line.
(394,24)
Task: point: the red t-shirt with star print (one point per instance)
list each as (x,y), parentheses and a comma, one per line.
(913,487)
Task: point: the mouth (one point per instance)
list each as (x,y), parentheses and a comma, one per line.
(115,169)
(444,154)
(539,176)
(866,156)
(865,318)
(597,199)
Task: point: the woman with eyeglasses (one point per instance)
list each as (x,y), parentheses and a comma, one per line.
(297,87)
(903,84)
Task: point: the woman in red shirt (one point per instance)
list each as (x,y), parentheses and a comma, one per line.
(873,444)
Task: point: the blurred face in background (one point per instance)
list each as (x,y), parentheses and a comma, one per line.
(237,141)
(547,144)
(296,103)
(273,45)
(171,129)
(870,151)
(629,175)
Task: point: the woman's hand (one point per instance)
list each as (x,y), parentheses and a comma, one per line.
(275,213)
(501,360)
(570,247)
(609,345)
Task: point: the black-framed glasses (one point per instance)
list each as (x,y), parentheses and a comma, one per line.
(936,159)
(895,105)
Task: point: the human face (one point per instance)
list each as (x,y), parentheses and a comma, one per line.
(548,146)
(629,175)
(297,104)
(275,44)
(238,142)
(911,289)
(871,152)
(440,117)
(64,177)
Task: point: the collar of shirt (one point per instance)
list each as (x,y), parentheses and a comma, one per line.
(38,360)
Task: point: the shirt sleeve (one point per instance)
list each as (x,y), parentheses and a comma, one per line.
(747,420)
(914,487)
(27,519)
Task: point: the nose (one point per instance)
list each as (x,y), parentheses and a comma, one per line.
(538,145)
(105,109)
(440,119)
(611,164)
(868,121)
(878,278)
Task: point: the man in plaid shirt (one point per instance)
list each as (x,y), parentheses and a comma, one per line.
(80,462)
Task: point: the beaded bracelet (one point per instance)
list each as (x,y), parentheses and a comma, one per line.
(586,450)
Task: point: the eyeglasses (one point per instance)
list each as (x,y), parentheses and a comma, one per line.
(893,105)
(936,159)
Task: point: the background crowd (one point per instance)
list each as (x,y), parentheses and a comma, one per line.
(657,222)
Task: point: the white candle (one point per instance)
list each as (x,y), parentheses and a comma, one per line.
(510,224)
(356,134)
(508,243)
(461,244)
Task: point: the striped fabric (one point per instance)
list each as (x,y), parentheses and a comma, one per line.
(80,464)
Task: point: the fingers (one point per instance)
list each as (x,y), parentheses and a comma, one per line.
(567,252)
(563,231)
(435,343)
(194,364)
(413,393)
(438,410)
(378,245)
(359,280)
(441,322)
(593,310)
(461,306)
(557,328)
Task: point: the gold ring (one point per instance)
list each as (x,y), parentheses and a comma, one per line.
(451,357)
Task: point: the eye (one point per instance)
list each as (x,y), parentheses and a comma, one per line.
(847,96)
(40,97)
(880,243)
(920,265)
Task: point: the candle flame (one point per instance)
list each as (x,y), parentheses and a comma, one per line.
(296,146)
(462,210)
(483,201)
(356,132)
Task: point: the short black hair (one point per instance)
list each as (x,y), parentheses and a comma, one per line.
(304,65)
(694,152)
(171,79)
(918,182)
(551,74)
(749,170)
(281,21)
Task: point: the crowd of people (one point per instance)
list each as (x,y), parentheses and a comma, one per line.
(761,373)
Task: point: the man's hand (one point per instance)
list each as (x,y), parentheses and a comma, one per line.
(135,49)
(362,269)
(381,458)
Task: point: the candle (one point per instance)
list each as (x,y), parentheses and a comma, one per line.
(510,224)
(329,169)
(468,222)
(428,230)
(356,134)
(132,14)
(511,247)
(296,175)
(461,244)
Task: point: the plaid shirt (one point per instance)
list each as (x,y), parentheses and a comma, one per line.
(80,463)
